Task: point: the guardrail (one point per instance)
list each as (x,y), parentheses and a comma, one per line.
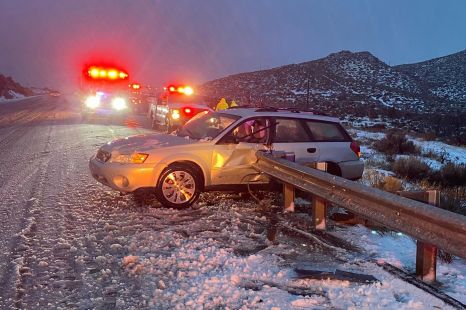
(431,226)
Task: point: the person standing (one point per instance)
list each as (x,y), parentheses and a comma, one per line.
(221,105)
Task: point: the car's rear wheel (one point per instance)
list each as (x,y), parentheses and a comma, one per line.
(178,187)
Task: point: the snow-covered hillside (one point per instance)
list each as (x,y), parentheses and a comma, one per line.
(350,83)
(9,89)
(446,76)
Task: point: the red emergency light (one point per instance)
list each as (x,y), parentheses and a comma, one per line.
(103,73)
(186,90)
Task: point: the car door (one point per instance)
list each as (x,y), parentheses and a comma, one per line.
(331,140)
(291,135)
(234,154)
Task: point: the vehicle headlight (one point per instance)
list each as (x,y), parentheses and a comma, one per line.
(136,158)
(119,103)
(92,102)
(175,114)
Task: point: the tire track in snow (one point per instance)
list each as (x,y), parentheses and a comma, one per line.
(70,261)
(30,181)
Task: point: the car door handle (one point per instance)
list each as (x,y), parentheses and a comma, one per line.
(311,150)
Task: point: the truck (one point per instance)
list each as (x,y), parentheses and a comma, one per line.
(174,106)
(140,97)
(104,92)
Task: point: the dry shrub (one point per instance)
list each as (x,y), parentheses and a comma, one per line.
(411,168)
(392,184)
(450,175)
(395,142)
(386,183)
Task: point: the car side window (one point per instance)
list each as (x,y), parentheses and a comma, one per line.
(330,132)
(256,130)
(290,130)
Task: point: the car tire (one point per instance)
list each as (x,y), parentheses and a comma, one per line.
(179,186)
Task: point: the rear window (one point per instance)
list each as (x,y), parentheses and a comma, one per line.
(290,131)
(330,132)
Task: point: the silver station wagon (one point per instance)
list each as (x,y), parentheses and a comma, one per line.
(215,150)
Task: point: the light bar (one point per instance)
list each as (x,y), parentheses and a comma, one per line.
(186,90)
(102,73)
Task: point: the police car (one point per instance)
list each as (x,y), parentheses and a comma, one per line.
(174,107)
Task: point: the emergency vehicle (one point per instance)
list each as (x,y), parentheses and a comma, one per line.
(104,92)
(140,97)
(174,106)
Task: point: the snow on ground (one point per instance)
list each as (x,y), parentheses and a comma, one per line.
(449,153)
(455,154)
(107,251)
(400,250)
(361,134)
(221,259)
(15,95)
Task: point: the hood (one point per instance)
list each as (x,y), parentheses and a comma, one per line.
(144,143)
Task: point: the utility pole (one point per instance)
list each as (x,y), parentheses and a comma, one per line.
(308,87)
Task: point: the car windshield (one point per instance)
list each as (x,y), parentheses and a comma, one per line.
(207,125)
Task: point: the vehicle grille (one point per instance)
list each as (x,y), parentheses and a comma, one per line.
(103,156)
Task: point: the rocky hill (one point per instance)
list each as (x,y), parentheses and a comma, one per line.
(348,83)
(9,89)
(445,76)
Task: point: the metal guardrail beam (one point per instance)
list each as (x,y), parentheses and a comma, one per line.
(439,227)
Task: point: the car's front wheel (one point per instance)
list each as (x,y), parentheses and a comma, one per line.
(178,187)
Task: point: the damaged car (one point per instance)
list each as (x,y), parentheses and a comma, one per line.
(216,150)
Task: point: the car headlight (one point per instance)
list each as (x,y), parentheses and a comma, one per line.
(136,158)
(119,103)
(175,114)
(92,102)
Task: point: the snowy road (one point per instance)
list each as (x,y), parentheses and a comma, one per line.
(68,242)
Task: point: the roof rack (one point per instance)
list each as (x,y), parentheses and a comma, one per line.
(241,106)
(267,109)
(292,110)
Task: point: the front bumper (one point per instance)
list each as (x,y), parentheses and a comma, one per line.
(105,112)
(123,177)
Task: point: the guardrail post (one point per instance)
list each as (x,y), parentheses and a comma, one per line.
(288,197)
(426,254)
(272,228)
(319,206)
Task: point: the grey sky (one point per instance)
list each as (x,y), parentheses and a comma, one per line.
(46,42)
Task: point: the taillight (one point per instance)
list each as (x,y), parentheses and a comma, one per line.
(187,110)
(355,148)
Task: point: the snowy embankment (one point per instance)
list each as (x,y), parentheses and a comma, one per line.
(14,97)
(218,257)
(400,250)
(396,248)
(448,153)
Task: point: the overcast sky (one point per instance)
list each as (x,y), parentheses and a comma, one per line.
(47,42)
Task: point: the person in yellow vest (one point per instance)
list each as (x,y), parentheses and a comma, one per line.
(233,104)
(221,105)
